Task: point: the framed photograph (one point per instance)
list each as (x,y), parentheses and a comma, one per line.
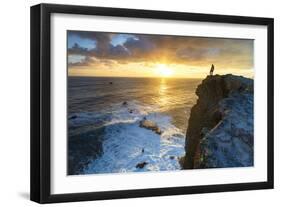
(133,103)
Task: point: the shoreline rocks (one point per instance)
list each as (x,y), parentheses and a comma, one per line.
(141,165)
(150,125)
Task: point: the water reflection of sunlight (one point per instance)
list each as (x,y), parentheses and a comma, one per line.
(163,99)
(162,87)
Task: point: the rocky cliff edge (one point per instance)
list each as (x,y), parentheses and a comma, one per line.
(220,127)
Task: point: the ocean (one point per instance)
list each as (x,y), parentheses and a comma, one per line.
(104,135)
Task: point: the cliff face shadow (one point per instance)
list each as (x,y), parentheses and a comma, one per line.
(220,129)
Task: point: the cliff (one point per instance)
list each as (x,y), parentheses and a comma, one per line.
(220,127)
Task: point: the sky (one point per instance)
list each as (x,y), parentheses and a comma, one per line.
(144,55)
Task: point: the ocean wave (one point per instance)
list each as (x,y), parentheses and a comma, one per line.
(116,113)
(126,146)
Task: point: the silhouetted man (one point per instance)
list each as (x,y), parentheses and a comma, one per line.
(212,69)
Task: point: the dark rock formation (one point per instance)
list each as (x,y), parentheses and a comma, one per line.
(220,127)
(150,125)
(141,165)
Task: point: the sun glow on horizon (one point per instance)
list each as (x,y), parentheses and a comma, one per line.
(104,54)
(163,70)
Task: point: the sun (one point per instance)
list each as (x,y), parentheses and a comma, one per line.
(163,71)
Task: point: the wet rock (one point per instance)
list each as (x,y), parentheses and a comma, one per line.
(141,165)
(150,125)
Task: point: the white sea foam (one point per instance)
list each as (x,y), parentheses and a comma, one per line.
(126,144)
(116,113)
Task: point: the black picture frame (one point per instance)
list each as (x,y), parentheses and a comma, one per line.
(41,95)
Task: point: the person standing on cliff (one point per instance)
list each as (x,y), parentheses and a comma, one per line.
(212,69)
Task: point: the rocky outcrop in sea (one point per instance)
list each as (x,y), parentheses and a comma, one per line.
(220,129)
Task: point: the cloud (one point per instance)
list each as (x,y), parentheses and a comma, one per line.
(76,49)
(162,48)
(191,53)
(141,45)
(83,61)
(118,51)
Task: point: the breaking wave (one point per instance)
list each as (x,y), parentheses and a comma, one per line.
(126,147)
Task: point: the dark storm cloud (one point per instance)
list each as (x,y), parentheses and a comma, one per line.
(103,49)
(102,40)
(157,48)
(141,45)
(76,49)
(117,51)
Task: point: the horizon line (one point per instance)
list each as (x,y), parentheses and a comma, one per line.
(82,76)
